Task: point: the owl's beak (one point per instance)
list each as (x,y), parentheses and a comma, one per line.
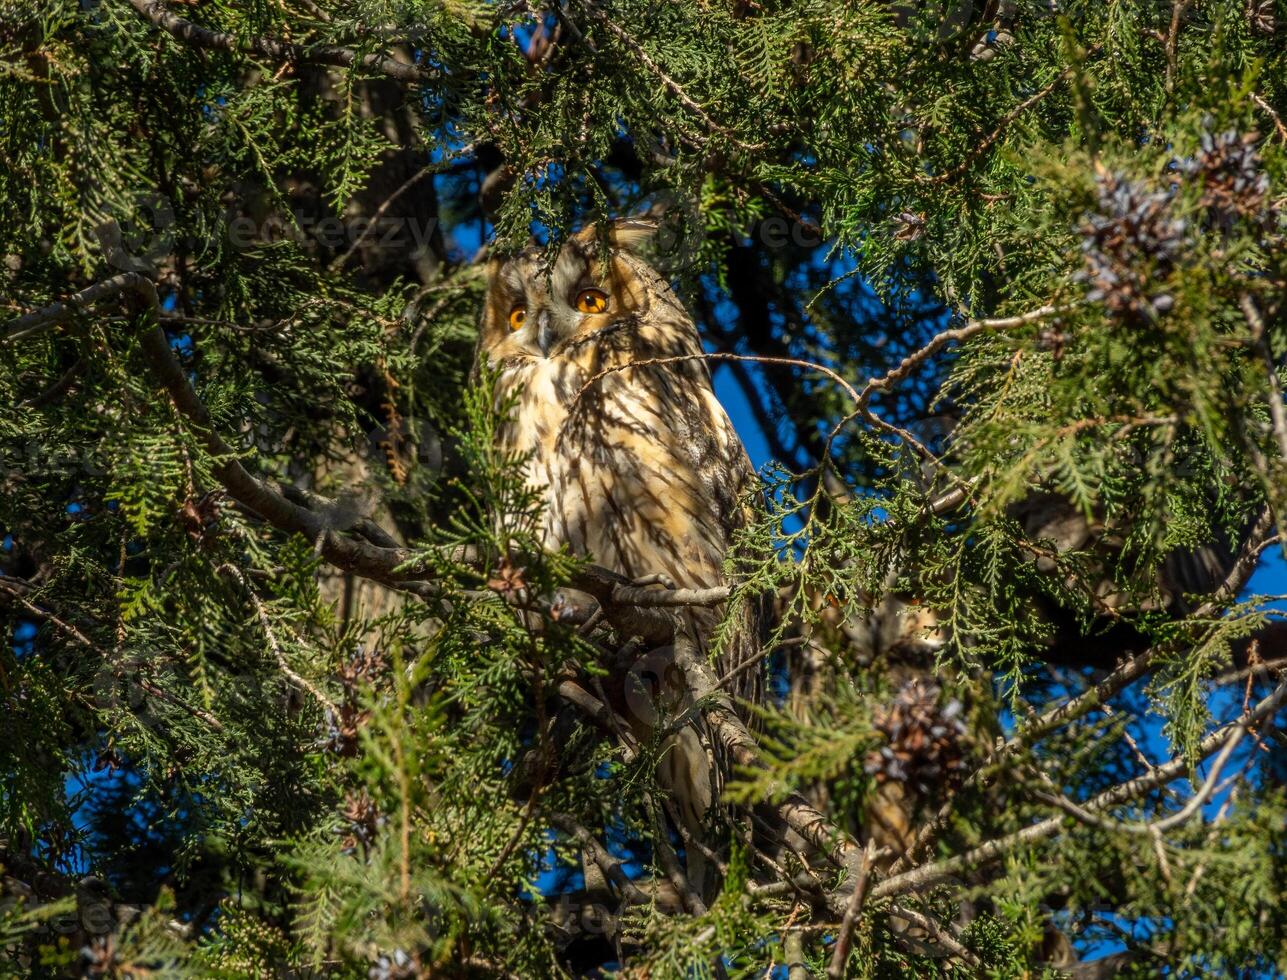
(545,336)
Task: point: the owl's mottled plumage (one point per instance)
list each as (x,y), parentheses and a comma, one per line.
(642,470)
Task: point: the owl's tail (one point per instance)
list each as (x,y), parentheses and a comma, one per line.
(697,765)
(687,773)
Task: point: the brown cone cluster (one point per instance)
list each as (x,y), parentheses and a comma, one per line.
(1130,244)
(361,819)
(924,739)
(1233,183)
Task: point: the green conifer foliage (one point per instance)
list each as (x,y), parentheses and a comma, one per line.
(283,695)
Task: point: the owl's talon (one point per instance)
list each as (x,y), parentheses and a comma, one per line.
(657,578)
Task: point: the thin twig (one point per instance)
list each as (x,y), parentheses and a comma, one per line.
(164,695)
(1219,818)
(715,356)
(270,634)
(735,672)
(57,389)
(670,84)
(65,311)
(1260,338)
(410,182)
(11,588)
(1278,120)
(1173,42)
(942,935)
(1121,677)
(599,855)
(985,144)
(1181,816)
(1251,670)
(887,381)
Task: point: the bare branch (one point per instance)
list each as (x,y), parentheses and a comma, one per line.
(1260,337)
(1172,44)
(630,595)
(717,356)
(1278,120)
(793,948)
(1190,809)
(942,935)
(840,956)
(890,379)
(797,813)
(669,862)
(1117,680)
(429,168)
(928,874)
(599,855)
(17,593)
(163,695)
(65,311)
(271,636)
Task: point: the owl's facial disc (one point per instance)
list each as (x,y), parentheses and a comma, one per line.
(535,311)
(537,321)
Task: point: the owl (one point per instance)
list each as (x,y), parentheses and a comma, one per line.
(635,459)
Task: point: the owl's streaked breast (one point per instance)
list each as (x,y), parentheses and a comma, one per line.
(643,472)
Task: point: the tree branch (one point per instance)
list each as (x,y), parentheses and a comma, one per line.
(886,382)
(840,956)
(797,813)
(378,558)
(1117,680)
(599,855)
(985,144)
(928,874)
(942,934)
(63,312)
(1260,337)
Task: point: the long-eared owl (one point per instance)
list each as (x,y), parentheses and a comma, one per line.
(638,463)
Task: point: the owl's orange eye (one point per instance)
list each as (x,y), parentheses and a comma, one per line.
(517,317)
(591,301)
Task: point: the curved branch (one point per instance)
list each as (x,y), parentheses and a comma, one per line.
(986,143)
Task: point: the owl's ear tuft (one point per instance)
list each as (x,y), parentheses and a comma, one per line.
(626,234)
(630,233)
